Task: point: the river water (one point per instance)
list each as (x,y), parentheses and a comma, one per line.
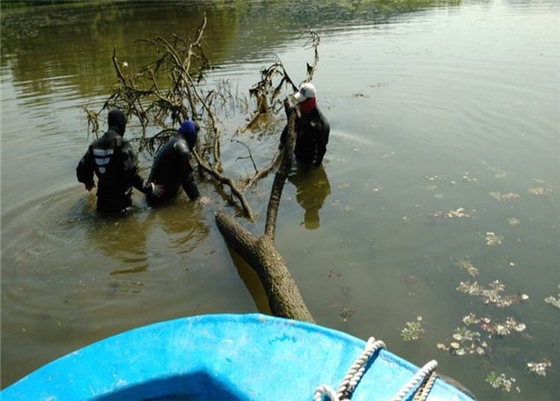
(442,168)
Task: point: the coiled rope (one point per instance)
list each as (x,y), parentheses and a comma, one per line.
(424,378)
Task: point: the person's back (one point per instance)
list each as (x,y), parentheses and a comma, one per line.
(172,169)
(312,135)
(114,162)
(312,128)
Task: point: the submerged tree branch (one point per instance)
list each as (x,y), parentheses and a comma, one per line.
(164,93)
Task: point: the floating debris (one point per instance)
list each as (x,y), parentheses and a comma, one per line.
(539,367)
(468,178)
(513,221)
(413,330)
(539,191)
(433,183)
(553,301)
(504,197)
(452,214)
(497,329)
(500,381)
(345,314)
(498,172)
(468,266)
(332,273)
(469,340)
(433,178)
(466,342)
(377,189)
(491,295)
(493,239)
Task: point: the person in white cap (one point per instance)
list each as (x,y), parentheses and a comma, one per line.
(312,128)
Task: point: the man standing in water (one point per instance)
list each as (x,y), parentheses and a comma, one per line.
(115,164)
(311,126)
(172,168)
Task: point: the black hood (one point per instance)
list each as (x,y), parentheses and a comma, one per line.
(117,121)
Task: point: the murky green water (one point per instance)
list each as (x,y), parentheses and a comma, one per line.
(445,128)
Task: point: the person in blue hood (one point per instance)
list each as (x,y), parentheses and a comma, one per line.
(113,161)
(172,169)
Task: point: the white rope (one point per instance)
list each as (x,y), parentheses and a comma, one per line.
(425,388)
(352,378)
(419,377)
(356,371)
(325,390)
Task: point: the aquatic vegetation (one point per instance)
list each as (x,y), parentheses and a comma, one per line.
(468,340)
(493,239)
(468,178)
(539,189)
(413,330)
(498,172)
(433,183)
(553,301)
(500,381)
(468,266)
(497,329)
(433,178)
(491,295)
(539,367)
(504,197)
(346,314)
(452,214)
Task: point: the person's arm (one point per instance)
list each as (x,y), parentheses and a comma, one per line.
(187,174)
(322,141)
(85,169)
(131,170)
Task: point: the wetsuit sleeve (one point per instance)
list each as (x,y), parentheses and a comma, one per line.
(131,169)
(86,167)
(187,176)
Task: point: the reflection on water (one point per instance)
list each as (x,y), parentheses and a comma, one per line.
(312,188)
(443,153)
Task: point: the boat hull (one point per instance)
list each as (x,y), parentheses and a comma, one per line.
(220,357)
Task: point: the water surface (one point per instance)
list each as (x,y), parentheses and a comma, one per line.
(433,107)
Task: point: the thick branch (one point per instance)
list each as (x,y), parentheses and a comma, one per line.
(227,181)
(284,297)
(281,175)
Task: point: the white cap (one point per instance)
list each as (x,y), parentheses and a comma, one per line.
(306,91)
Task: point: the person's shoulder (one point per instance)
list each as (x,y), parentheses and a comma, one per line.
(179,144)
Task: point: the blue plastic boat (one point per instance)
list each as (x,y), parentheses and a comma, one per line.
(226,357)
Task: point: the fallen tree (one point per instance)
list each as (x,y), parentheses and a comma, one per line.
(284,297)
(165,102)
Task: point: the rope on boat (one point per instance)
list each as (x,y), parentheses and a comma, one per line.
(424,378)
(353,376)
(427,372)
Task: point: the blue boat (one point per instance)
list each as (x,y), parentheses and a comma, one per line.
(232,357)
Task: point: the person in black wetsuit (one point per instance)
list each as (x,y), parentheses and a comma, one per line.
(115,164)
(172,168)
(311,126)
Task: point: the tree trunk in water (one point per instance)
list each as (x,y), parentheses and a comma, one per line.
(282,292)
